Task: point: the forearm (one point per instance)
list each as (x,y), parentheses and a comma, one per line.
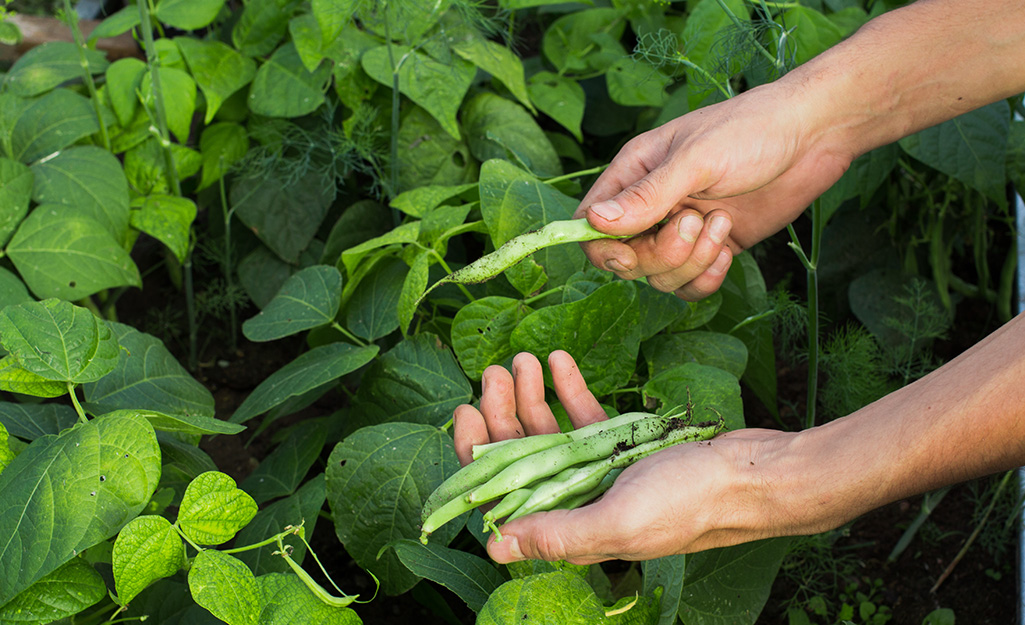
(912,68)
(963,421)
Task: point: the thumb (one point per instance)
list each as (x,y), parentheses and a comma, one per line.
(639,205)
(552,536)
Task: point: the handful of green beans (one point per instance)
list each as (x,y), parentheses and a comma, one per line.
(552,471)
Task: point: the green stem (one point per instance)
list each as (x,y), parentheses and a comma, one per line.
(540,296)
(444,265)
(349,335)
(78,406)
(577,174)
(226,265)
(277,538)
(76,33)
(811,270)
(752,319)
(761,49)
(186,538)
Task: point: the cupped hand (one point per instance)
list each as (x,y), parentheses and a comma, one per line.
(708,185)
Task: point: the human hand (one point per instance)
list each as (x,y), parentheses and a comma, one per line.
(725,177)
(670,502)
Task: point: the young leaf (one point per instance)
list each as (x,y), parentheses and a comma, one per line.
(213,509)
(302,507)
(178,91)
(168,219)
(48,65)
(287,600)
(124,76)
(219,70)
(147,549)
(52,123)
(377,481)
(472,578)
(308,299)
(314,368)
(61,594)
(75,489)
(481,333)
(226,587)
(59,341)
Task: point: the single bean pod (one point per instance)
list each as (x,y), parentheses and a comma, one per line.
(504,508)
(571,503)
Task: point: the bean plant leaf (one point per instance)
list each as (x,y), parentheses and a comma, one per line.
(124,77)
(585,40)
(470,577)
(413,287)
(59,341)
(377,482)
(500,128)
(404,233)
(281,472)
(482,331)
(372,311)
(218,69)
(813,32)
(90,180)
(52,123)
(308,299)
(213,509)
(48,65)
(332,16)
(178,91)
(417,381)
(222,145)
(599,331)
(560,98)
(632,82)
(712,391)
(314,368)
(16,182)
(12,290)
(31,421)
(73,490)
(283,87)
(707,24)
(185,424)
(15,379)
(188,14)
(714,349)
(262,25)
(226,587)
(302,507)
(428,155)
(971,147)
(287,601)
(497,60)
(147,549)
(420,201)
(148,377)
(63,593)
(6,455)
(118,23)
(556,598)
(168,219)
(437,87)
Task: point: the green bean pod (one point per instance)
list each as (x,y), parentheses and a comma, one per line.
(549,494)
(571,503)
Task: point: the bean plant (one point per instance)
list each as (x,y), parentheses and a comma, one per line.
(389,186)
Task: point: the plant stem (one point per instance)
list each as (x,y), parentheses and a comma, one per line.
(186,538)
(226,264)
(349,335)
(811,270)
(76,33)
(577,174)
(78,406)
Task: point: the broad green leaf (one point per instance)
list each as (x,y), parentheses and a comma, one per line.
(218,69)
(659,310)
(12,290)
(226,587)
(359,222)
(308,299)
(15,379)
(971,147)
(332,16)
(743,573)
(743,295)
(262,273)
(420,201)
(147,549)
(372,311)
(119,23)
(428,155)
(470,577)
(284,214)
(90,180)
(413,287)
(302,507)
(377,482)
(698,313)
(668,573)
(712,391)
(213,509)
(861,179)
(405,233)
(514,202)
(262,25)
(178,90)
(283,87)
(63,593)
(281,472)
(813,32)
(557,598)
(352,85)
(168,219)
(48,65)
(499,128)
(188,14)
(62,254)
(314,368)
(59,341)
(407,22)
(148,377)
(308,40)
(185,424)
(6,455)
(560,98)
(417,381)
(221,145)
(482,331)
(632,82)
(124,77)
(585,41)
(705,348)
(74,490)
(31,421)
(288,601)
(16,182)
(599,331)
(706,25)
(52,123)
(437,87)
(497,60)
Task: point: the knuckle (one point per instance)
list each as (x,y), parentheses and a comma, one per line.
(662,283)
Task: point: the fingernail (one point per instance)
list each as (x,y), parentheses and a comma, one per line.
(722,263)
(614,265)
(513,546)
(609,210)
(719,229)
(690,228)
